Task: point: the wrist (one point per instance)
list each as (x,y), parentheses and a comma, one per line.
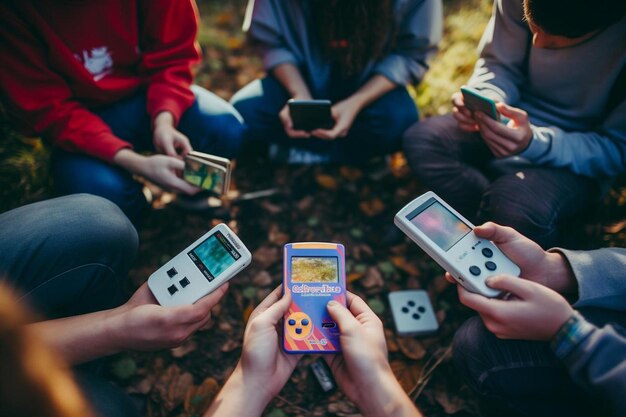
(384,396)
(130,160)
(163,119)
(237,387)
(561,278)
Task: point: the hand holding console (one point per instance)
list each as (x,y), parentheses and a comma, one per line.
(448,238)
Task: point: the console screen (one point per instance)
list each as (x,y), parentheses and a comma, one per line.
(214,255)
(440,225)
(317,269)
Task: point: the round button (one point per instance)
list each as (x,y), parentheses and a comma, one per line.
(474,270)
(292,322)
(490,266)
(298,330)
(487,253)
(305,322)
(421,309)
(411,303)
(416,316)
(405,309)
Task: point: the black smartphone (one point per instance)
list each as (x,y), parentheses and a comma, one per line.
(309,115)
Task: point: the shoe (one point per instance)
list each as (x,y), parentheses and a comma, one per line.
(296,156)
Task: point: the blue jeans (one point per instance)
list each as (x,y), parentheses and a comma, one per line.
(524,377)
(377,130)
(457,165)
(211,124)
(69,256)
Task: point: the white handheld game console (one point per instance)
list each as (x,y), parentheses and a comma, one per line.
(201,268)
(448,238)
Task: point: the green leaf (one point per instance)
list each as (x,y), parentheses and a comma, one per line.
(249,292)
(376,305)
(386,267)
(276,412)
(124,367)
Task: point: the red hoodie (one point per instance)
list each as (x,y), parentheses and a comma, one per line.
(60,58)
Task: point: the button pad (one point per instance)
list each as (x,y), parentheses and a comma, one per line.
(172,289)
(184,282)
(487,253)
(172,272)
(298,326)
(474,270)
(490,266)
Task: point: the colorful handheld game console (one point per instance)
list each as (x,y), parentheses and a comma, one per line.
(201,268)
(314,274)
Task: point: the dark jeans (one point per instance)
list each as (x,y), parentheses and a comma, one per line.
(458,166)
(70,256)
(377,130)
(524,376)
(211,124)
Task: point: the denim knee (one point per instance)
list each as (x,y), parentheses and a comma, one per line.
(509,203)
(470,349)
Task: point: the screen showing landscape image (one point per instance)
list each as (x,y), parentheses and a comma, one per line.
(318,269)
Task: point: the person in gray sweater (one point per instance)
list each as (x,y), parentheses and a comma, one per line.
(557,71)
(534,352)
(359,54)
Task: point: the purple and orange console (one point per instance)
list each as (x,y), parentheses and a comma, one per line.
(314,274)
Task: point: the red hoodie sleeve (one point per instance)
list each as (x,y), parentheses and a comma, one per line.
(168,42)
(39,101)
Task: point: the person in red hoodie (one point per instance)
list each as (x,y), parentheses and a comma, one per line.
(106,82)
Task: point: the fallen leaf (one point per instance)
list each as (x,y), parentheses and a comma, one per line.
(372,280)
(354,276)
(402,263)
(407,374)
(392,344)
(199,398)
(266,256)
(262,279)
(248,312)
(230,345)
(411,348)
(450,403)
(171,387)
(372,207)
(188,346)
(376,305)
(350,173)
(327,181)
(124,367)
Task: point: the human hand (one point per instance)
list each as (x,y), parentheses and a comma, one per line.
(167,139)
(534,312)
(546,268)
(285,118)
(263,363)
(264,367)
(166,171)
(142,324)
(505,140)
(362,370)
(344,113)
(463,115)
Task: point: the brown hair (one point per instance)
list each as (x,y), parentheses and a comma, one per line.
(352,32)
(33,381)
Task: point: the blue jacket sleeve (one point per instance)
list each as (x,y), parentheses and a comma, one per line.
(600,153)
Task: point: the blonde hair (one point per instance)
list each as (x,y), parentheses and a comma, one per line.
(33,380)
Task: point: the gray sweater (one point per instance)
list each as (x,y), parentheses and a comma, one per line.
(565,92)
(598,362)
(283,30)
